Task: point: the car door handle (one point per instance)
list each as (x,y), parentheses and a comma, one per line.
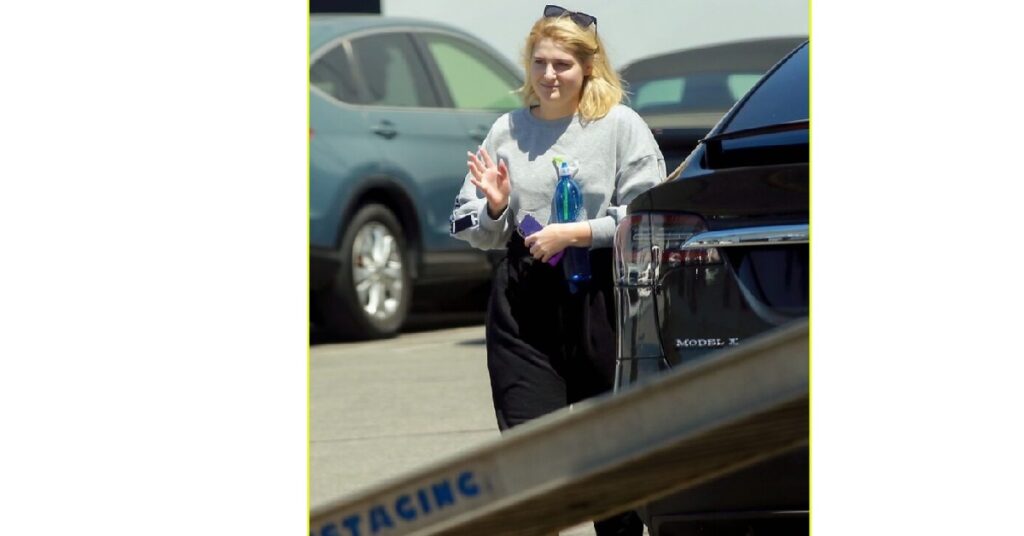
(385,129)
(479,133)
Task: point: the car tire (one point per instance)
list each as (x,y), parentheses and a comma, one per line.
(372,289)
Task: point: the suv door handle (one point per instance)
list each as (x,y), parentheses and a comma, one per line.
(479,133)
(385,129)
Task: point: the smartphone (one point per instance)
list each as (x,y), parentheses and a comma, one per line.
(530,225)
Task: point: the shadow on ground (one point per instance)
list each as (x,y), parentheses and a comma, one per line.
(417,323)
(434,307)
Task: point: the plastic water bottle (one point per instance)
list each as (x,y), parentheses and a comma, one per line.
(568,208)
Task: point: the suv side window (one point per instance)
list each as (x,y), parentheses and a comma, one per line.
(393,72)
(332,73)
(474,79)
(782,96)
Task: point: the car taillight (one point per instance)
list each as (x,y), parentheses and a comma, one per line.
(647,245)
(311,133)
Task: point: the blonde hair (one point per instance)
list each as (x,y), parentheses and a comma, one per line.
(602,89)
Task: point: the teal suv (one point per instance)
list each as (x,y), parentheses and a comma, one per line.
(394,105)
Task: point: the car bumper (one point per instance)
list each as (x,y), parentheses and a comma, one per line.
(770,497)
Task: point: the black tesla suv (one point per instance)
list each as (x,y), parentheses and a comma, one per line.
(712,258)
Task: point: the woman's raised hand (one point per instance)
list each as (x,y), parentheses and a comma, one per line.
(491,179)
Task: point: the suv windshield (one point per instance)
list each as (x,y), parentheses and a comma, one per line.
(782,96)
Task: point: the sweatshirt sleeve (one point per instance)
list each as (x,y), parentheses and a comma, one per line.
(641,166)
(470,211)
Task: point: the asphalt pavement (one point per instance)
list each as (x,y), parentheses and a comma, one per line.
(379,409)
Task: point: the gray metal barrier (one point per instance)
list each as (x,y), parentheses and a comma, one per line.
(607,454)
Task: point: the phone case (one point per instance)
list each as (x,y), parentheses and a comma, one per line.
(530,225)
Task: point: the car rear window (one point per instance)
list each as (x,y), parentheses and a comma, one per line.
(781,97)
(695,92)
(332,74)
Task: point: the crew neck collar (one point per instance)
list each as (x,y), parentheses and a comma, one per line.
(552,122)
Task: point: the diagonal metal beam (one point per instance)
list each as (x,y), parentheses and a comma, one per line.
(692,425)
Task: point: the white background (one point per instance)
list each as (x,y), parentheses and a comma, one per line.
(153,223)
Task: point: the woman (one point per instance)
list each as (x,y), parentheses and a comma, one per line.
(549,345)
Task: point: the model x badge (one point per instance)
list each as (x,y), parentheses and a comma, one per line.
(706,343)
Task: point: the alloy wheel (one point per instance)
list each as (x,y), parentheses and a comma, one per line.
(377,271)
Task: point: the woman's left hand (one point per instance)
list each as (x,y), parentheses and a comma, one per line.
(548,241)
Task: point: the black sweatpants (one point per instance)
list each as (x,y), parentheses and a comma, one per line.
(548,348)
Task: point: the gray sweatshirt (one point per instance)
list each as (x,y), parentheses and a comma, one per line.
(615,158)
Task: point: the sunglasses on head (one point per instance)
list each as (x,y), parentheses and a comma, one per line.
(581,19)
